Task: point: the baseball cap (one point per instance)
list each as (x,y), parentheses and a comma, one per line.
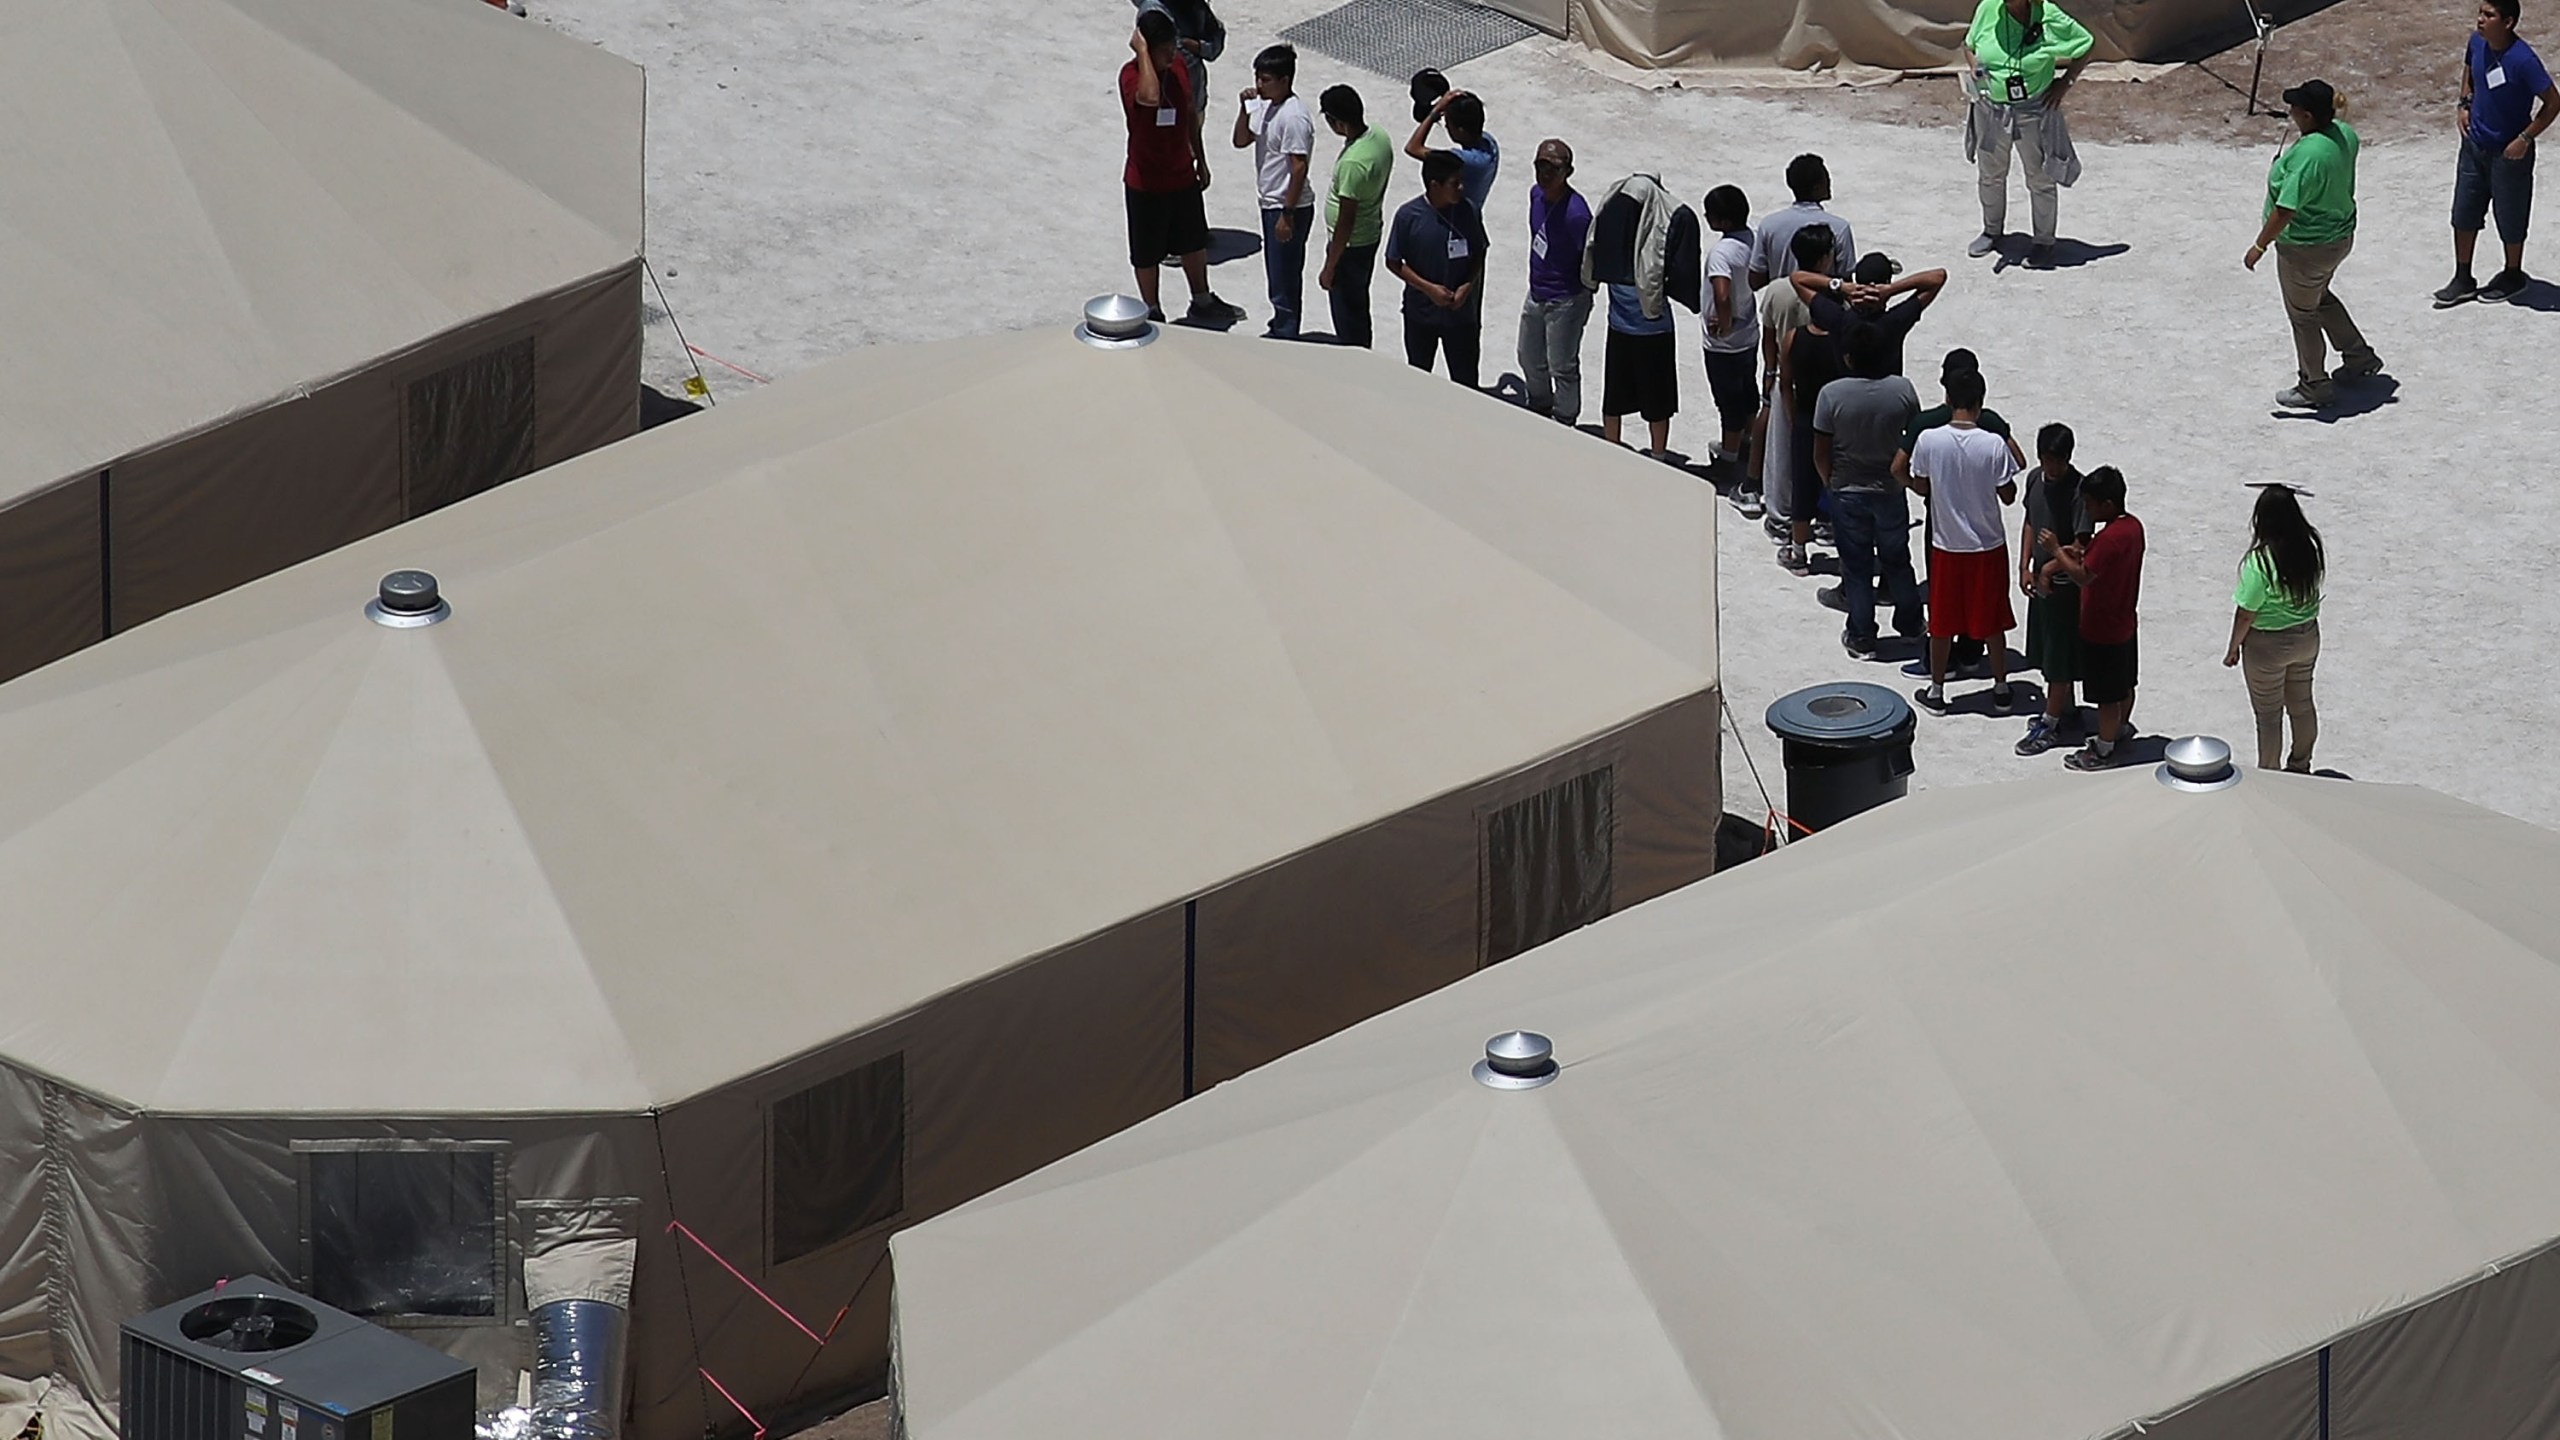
(1428,86)
(1875,268)
(2314,96)
(1960,361)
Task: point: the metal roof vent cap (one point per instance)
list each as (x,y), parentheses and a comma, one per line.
(407,599)
(1517,1060)
(2198,762)
(1116,322)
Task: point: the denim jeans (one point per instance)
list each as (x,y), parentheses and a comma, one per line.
(1551,354)
(1352,277)
(1872,528)
(2483,177)
(1284,267)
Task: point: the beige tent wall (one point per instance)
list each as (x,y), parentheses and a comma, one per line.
(1001,1078)
(1893,34)
(2482,1363)
(1547,15)
(51,588)
(276,486)
(1392,911)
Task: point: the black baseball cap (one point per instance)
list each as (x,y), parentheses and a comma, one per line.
(2314,96)
(1875,268)
(1428,86)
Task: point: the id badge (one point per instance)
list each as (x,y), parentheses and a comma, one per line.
(1457,247)
(2017,89)
(1538,244)
(1168,116)
(2497,76)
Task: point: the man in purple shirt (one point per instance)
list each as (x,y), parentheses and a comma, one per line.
(2507,101)
(1551,324)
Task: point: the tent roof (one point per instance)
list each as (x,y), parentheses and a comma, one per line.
(774,723)
(2017,1112)
(205,204)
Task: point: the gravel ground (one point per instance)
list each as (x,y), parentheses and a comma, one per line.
(826,174)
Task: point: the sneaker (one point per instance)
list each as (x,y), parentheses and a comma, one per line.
(1830,597)
(2088,758)
(2504,286)
(1778,527)
(1207,306)
(1822,530)
(1983,244)
(2457,290)
(1932,698)
(1791,559)
(2369,365)
(1858,649)
(1156,314)
(2003,698)
(2042,735)
(2303,397)
(1749,502)
(2039,257)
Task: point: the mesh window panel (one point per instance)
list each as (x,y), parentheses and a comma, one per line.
(405,1232)
(1548,863)
(470,426)
(838,1158)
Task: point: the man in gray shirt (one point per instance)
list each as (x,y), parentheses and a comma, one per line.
(1857,429)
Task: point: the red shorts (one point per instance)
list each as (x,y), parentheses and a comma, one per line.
(1969,594)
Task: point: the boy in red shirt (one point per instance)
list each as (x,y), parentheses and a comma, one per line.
(2108,571)
(1167,170)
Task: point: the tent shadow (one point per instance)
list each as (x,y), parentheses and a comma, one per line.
(657,407)
(2068,254)
(1226,245)
(2353,398)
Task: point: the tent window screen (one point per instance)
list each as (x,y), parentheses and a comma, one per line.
(838,1158)
(407,1231)
(1548,863)
(470,426)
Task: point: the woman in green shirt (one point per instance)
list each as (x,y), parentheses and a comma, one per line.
(2275,631)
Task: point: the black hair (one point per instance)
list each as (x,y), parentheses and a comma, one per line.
(1156,26)
(1727,208)
(1341,102)
(1280,60)
(1441,166)
(1867,351)
(1809,178)
(2279,530)
(2104,483)
(2056,440)
(1812,247)
(1875,268)
(1965,390)
(2508,10)
(1466,113)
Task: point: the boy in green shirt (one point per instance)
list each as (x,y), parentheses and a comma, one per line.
(2311,223)
(1355,213)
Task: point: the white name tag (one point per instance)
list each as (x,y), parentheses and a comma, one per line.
(1457,247)
(2497,76)
(1167,116)
(1538,243)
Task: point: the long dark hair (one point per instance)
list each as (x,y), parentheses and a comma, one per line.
(2278,530)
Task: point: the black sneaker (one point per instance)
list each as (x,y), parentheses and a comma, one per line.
(1210,308)
(1858,649)
(2042,735)
(2088,758)
(1931,699)
(2504,286)
(2003,698)
(2458,290)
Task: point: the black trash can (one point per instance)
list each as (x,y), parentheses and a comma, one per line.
(1848,749)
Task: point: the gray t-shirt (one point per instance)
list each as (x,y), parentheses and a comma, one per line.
(1864,419)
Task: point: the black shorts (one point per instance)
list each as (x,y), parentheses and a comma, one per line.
(1171,222)
(1733,377)
(2108,672)
(1642,376)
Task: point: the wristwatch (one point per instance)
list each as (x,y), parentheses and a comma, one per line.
(1835,284)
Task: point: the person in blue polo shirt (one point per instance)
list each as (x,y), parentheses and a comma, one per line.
(2507,101)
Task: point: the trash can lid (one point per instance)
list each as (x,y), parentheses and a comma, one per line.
(1842,712)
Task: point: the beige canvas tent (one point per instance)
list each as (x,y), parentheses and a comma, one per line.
(812,815)
(2026,1112)
(284,272)
(1891,34)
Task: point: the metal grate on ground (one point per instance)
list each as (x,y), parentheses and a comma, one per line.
(1397,37)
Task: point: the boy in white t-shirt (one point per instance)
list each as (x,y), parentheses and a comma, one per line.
(1275,123)
(1968,473)
(1733,337)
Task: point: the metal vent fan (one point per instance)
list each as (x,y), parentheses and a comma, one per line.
(249,1324)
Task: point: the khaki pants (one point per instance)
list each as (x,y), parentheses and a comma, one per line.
(2018,128)
(2319,317)
(2278,664)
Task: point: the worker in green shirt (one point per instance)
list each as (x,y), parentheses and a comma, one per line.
(2311,222)
(2014,48)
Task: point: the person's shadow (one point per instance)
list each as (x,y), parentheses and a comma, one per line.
(1226,245)
(2351,399)
(2539,295)
(2068,254)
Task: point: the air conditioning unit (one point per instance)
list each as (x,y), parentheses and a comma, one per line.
(251,1360)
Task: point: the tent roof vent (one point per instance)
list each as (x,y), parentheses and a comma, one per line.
(2198,762)
(1116,322)
(1517,1060)
(408,598)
